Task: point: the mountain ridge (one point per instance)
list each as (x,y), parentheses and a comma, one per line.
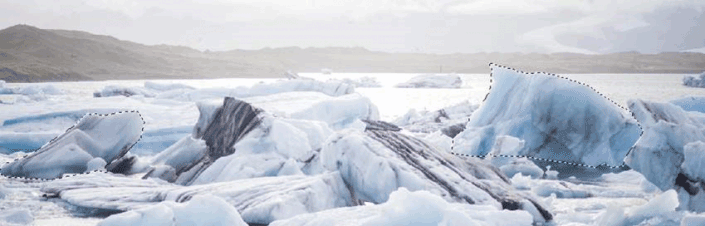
(30,54)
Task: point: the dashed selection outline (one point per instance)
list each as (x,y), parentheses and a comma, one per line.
(34,179)
(641,129)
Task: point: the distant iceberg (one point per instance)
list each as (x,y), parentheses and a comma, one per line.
(446,81)
(694,80)
(451,119)
(558,119)
(364,82)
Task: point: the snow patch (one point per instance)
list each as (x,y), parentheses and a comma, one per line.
(557,118)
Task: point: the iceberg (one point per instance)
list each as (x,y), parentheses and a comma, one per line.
(115,90)
(691,103)
(258,200)
(375,163)
(411,208)
(235,140)
(669,152)
(694,80)
(451,120)
(108,137)
(445,81)
(558,119)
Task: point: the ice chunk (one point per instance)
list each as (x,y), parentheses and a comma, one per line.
(412,208)
(340,111)
(557,118)
(109,137)
(659,153)
(504,150)
(241,141)
(433,81)
(693,220)
(20,216)
(95,164)
(375,163)
(662,204)
(561,189)
(694,80)
(694,160)
(451,120)
(259,200)
(523,166)
(114,90)
(200,210)
(691,103)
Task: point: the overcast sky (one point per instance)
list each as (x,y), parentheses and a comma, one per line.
(443,26)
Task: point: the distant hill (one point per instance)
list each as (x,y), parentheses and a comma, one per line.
(30,54)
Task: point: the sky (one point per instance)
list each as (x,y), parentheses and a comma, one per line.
(418,26)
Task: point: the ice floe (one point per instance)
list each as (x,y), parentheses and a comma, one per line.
(433,81)
(558,119)
(108,137)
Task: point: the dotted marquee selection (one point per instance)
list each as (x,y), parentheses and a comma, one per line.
(32,179)
(452,147)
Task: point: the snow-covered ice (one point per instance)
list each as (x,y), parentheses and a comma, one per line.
(557,118)
(447,81)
